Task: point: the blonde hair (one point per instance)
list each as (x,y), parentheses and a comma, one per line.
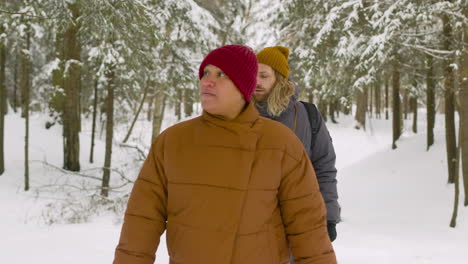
(280,95)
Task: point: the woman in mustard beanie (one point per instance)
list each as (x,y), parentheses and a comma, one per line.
(227,187)
(277,98)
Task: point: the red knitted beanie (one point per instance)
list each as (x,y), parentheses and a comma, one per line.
(239,63)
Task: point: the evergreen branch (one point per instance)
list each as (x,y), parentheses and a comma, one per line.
(24,14)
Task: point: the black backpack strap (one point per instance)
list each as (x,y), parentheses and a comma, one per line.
(313,113)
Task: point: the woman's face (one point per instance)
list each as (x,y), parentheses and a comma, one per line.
(265,81)
(219,95)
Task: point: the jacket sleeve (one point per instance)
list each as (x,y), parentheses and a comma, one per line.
(145,217)
(323,158)
(303,212)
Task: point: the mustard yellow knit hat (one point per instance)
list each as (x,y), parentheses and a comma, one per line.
(275,57)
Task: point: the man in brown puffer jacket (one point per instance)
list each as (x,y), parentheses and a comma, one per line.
(229,187)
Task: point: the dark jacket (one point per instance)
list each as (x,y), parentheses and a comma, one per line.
(226,192)
(321,154)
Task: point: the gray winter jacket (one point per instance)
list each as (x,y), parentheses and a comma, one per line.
(322,154)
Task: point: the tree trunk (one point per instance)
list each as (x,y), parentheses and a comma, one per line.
(149,113)
(371,102)
(453,221)
(361,107)
(25,83)
(449,104)
(3,103)
(405,103)
(387,80)
(463,110)
(337,107)
(414,107)
(323,109)
(396,104)
(188,102)
(377,99)
(71,120)
(93,130)
(145,92)
(158,115)
(109,132)
(15,85)
(430,98)
(332,111)
(178,103)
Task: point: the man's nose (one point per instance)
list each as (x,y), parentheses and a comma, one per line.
(208,81)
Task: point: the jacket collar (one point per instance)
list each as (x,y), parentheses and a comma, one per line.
(246,118)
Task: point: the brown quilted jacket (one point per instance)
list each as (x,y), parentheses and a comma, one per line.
(226,192)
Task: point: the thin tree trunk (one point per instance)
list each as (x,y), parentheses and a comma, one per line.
(145,92)
(109,132)
(15,85)
(449,104)
(396,104)
(3,103)
(25,87)
(149,113)
(332,111)
(188,102)
(178,104)
(71,124)
(22,90)
(361,107)
(158,115)
(430,98)
(371,102)
(414,107)
(405,103)
(453,221)
(378,99)
(93,130)
(387,80)
(337,107)
(463,110)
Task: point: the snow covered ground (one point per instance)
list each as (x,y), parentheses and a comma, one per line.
(396,205)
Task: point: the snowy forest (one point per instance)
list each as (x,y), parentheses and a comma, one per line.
(86,86)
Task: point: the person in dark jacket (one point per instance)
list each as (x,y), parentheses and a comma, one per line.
(229,186)
(277,98)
